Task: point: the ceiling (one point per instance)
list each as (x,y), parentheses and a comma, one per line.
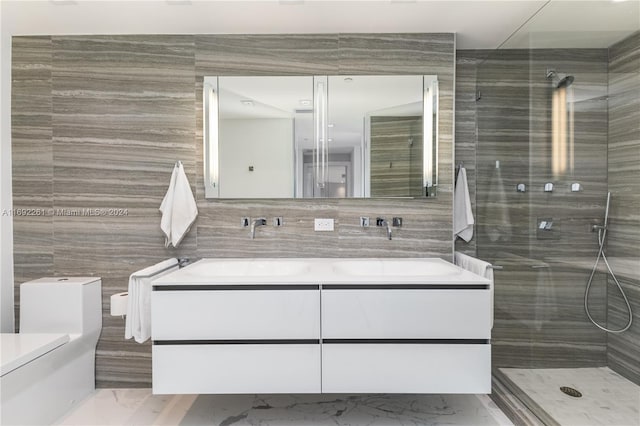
(478,24)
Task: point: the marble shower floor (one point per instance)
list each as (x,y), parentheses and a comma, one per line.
(607,398)
(140,407)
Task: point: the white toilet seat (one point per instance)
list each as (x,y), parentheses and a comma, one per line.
(19,349)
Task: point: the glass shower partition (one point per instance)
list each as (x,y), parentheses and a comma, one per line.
(541,161)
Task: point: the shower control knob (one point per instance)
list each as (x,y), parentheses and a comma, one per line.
(548,187)
(521,187)
(576,187)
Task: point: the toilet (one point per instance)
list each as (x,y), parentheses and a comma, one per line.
(50,365)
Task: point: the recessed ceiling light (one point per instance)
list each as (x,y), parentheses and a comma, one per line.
(247,102)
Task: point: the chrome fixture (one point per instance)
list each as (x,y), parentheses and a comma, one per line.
(364,221)
(183,261)
(245,221)
(564,80)
(380,221)
(521,187)
(397,222)
(602,236)
(261,221)
(576,187)
(277,221)
(548,187)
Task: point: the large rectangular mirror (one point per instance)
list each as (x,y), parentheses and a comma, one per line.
(323,136)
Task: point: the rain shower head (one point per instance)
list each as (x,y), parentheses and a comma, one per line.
(565,82)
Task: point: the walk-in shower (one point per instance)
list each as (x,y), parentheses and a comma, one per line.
(602,238)
(558,113)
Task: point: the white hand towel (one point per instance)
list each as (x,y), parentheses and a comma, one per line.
(478,267)
(179,209)
(462,214)
(138,320)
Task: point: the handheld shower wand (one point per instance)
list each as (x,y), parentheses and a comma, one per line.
(602,236)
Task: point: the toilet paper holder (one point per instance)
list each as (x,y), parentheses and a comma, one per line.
(119,302)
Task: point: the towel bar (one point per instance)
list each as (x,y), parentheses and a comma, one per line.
(156,273)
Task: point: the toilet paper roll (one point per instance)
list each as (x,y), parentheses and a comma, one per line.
(119,303)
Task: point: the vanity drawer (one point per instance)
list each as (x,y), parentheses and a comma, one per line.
(235,314)
(406,368)
(406,313)
(239,368)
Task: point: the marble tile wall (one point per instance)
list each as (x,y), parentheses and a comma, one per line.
(32,160)
(467,62)
(623,246)
(98,122)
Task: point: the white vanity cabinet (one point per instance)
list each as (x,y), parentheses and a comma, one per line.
(236,339)
(406,338)
(314,328)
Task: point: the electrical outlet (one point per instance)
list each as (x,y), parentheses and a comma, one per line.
(323,224)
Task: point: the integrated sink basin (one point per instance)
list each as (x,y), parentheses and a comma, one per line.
(395,267)
(318,271)
(244,267)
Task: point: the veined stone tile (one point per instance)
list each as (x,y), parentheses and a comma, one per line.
(122,109)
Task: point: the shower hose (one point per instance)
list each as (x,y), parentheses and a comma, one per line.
(602,236)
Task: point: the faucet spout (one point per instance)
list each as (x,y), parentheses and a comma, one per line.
(380,221)
(256,222)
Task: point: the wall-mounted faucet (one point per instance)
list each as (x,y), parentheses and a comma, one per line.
(261,221)
(380,221)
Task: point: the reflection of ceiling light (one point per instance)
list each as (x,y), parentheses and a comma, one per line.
(247,102)
(330,140)
(348,80)
(305,102)
(329,125)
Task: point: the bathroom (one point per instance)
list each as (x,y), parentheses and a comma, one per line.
(96,110)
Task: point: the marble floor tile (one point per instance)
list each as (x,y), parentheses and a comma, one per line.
(140,407)
(607,398)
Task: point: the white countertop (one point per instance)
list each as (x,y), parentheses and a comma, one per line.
(292,271)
